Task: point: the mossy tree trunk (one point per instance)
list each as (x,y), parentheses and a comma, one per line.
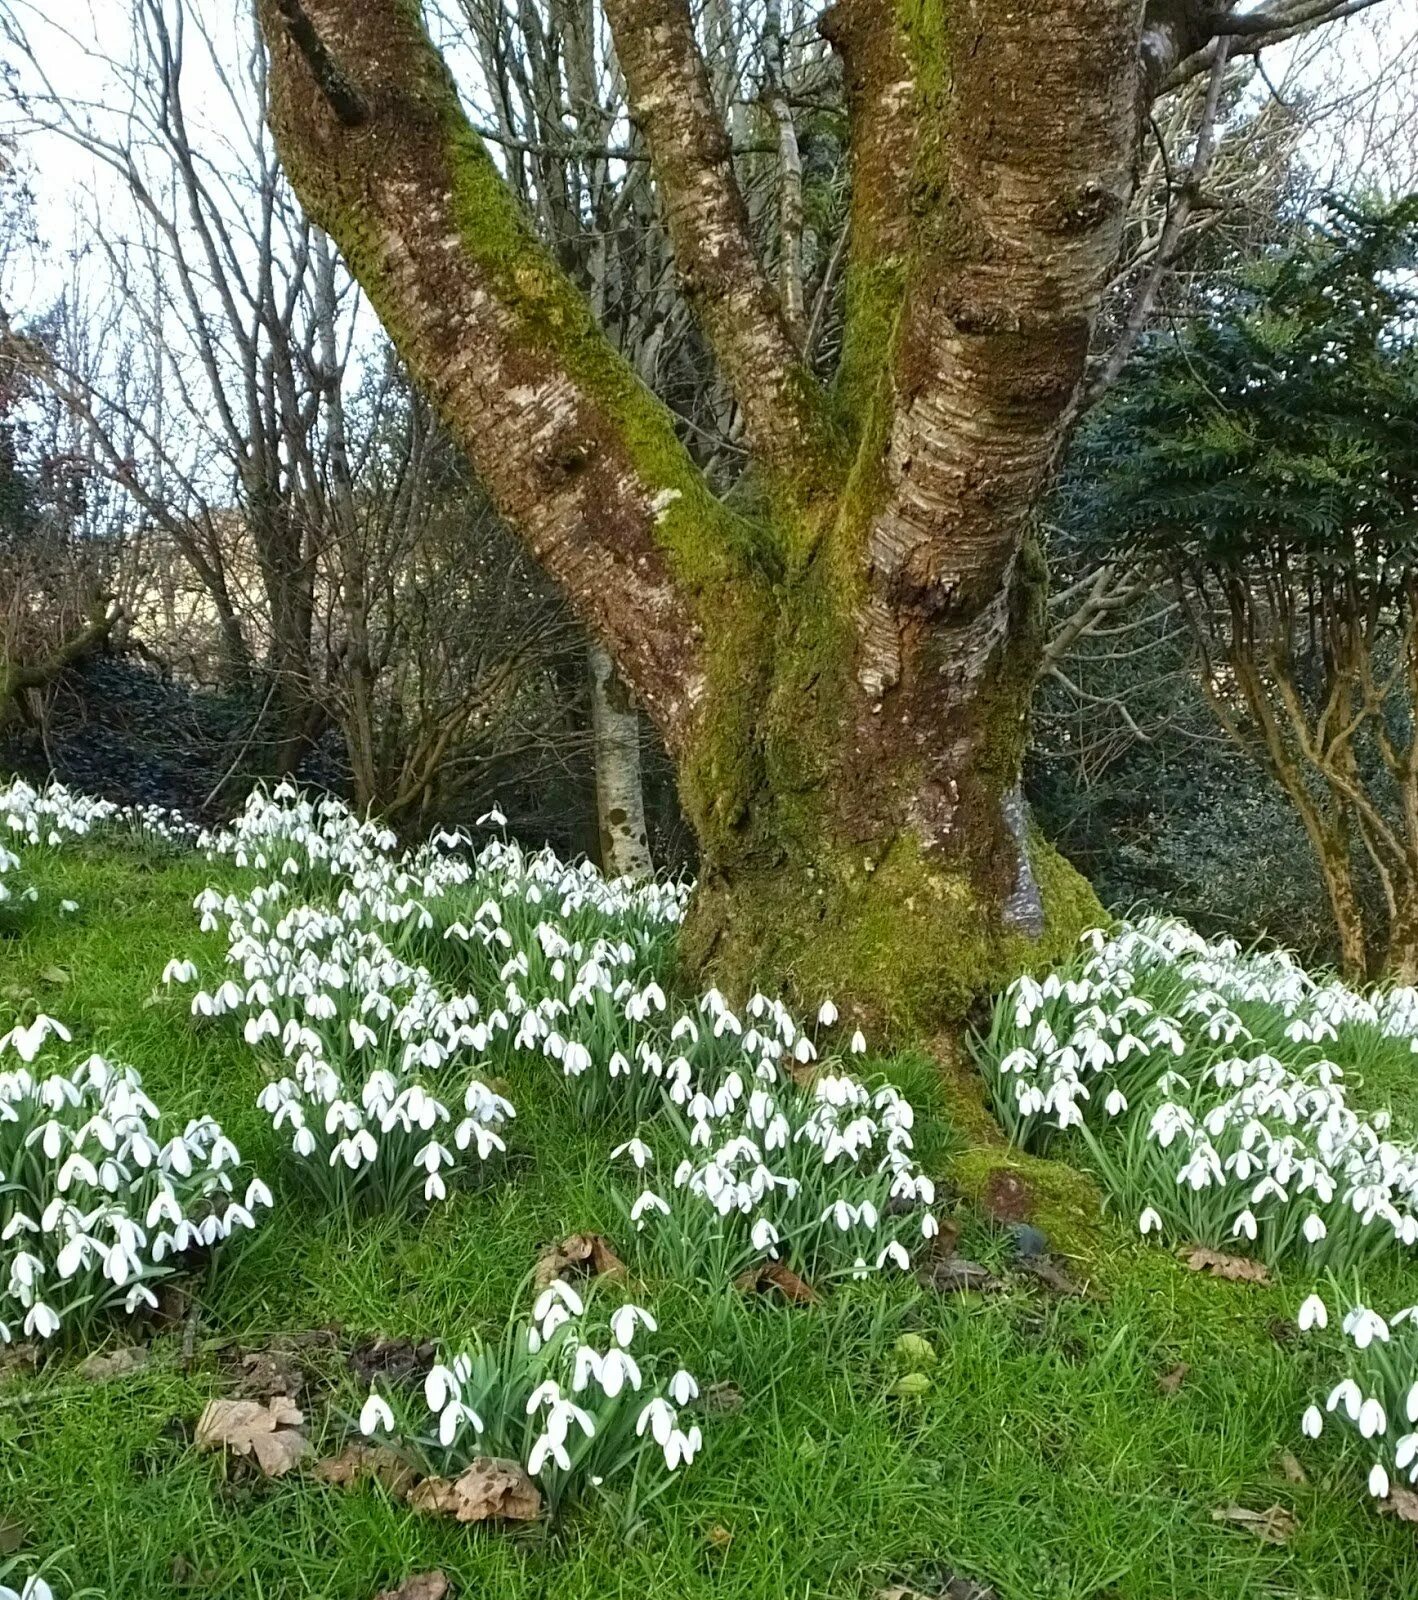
(840,664)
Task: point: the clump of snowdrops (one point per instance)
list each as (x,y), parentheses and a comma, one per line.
(574,1396)
(1203,1084)
(93,1208)
(1377,1398)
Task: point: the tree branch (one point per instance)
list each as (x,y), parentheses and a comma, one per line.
(671,99)
(576,453)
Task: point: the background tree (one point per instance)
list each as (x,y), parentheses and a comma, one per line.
(1266,457)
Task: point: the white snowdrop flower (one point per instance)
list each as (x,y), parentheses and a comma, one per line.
(648,1201)
(638,1151)
(1312,1423)
(1314,1228)
(1372,1419)
(1378,1481)
(683,1389)
(827,1014)
(858,1043)
(557,1290)
(681,1448)
(1149,1222)
(623,1324)
(41,1322)
(1347,1394)
(659,1417)
(375,1415)
(1312,1314)
(1364,1326)
(764,1236)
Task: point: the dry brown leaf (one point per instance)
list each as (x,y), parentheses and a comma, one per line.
(116,1364)
(583,1255)
(12,1535)
(423,1586)
(1235,1269)
(488,1488)
(269,1432)
(1401,1503)
(1171,1381)
(956,1275)
(398,1360)
(1290,1466)
(719,1537)
(956,1588)
(769,1275)
(1272,1526)
(367,1463)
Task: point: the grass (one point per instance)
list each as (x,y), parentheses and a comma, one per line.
(1045,1461)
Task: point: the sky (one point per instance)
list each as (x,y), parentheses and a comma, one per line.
(1364,133)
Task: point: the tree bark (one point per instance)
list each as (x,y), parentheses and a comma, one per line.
(620,793)
(840,664)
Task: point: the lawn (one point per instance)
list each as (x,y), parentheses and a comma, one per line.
(1070,1446)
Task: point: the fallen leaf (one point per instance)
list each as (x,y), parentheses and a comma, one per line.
(1235,1269)
(268,1432)
(804,1073)
(719,1537)
(12,1535)
(1171,1381)
(398,1360)
(1048,1272)
(363,1463)
(955,1588)
(1273,1526)
(769,1275)
(1290,1466)
(267,1373)
(425,1586)
(956,1275)
(723,1397)
(488,1488)
(1401,1503)
(915,1351)
(56,975)
(911,1386)
(116,1364)
(583,1255)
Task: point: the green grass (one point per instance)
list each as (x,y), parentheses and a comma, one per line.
(1045,1461)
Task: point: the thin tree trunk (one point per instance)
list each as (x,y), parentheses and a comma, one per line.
(620,794)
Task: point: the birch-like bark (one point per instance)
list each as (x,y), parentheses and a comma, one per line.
(620,793)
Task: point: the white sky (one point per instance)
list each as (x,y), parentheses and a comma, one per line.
(1367,136)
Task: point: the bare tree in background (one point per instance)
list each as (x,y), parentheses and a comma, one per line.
(261,437)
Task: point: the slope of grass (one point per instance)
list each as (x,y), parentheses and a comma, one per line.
(1045,1460)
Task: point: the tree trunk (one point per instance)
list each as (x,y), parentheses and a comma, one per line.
(620,795)
(840,661)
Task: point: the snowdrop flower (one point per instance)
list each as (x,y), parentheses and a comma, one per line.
(1346,1393)
(623,1323)
(658,1415)
(826,1014)
(1372,1419)
(638,1151)
(648,1201)
(1149,1222)
(1312,1423)
(1378,1481)
(683,1388)
(375,1415)
(681,1448)
(1364,1326)
(557,1290)
(1312,1314)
